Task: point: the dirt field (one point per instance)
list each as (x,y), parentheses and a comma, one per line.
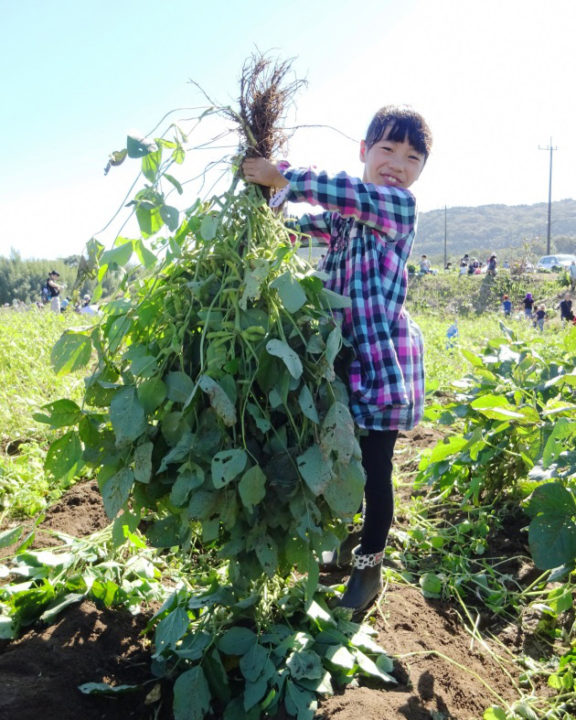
(441,673)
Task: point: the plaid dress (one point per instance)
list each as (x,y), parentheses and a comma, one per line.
(370,231)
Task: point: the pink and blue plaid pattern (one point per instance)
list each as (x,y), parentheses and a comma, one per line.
(370,230)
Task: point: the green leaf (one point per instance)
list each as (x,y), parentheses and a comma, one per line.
(290,291)
(177,185)
(306,402)
(146,257)
(337,433)
(253,693)
(138,147)
(149,219)
(165,533)
(180,387)
(150,164)
(151,394)
(171,216)
(64,456)
(191,699)
(301,703)
(341,657)
(127,416)
(315,469)
(170,630)
(305,665)
(116,491)
(217,676)
(431,585)
(333,344)
(237,641)
(253,661)
(119,255)
(280,349)
(60,413)
(71,352)
(494,712)
(219,400)
(226,465)
(267,554)
(10,536)
(346,488)
(189,478)
(143,462)
(334,300)
(208,227)
(252,487)
(448,447)
(496,407)
(563,430)
(369,667)
(551,499)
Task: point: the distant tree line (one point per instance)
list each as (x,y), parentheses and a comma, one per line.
(506,230)
(23,279)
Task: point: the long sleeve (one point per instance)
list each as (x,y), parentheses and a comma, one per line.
(388,210)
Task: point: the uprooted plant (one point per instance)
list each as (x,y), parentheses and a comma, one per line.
(215,421)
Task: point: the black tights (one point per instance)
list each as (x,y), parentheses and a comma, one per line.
(377,451)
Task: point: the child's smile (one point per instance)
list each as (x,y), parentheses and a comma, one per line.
(389,162)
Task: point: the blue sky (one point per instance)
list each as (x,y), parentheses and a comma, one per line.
(494,78)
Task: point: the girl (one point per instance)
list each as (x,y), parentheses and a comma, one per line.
(528,304)
(369,225)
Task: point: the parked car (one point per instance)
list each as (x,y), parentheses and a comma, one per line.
(555,262)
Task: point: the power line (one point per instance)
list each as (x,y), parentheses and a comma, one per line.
(551,150)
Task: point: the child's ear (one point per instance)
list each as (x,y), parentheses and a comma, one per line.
(363,151)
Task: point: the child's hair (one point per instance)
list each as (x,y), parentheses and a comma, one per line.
(505,297)
(401,122)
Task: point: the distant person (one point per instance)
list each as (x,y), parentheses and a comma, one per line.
(51,291)
(473,267)
(463,267)
(528,303)
(506,306)
(540,317)
(425,265)
(506,265)
(452,335)
(566,312)
(87,308)
(572,274)
(491,269)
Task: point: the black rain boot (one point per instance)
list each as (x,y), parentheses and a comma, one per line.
(342,556)
(365,582)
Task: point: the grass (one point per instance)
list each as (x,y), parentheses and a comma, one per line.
(27,382)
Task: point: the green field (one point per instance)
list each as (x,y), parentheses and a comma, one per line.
(502,396)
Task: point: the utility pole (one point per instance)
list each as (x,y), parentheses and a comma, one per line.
(550,149)
(445,238)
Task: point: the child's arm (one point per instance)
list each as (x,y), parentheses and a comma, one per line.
(390,210)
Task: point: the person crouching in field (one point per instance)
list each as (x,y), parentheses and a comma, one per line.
(369,225)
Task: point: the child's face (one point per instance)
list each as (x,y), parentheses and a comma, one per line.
(391,163)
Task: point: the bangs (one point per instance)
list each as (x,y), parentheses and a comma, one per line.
(400,124)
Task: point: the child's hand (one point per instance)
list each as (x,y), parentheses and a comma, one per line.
(263,172)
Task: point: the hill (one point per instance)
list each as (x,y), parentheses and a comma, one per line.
(492,228)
